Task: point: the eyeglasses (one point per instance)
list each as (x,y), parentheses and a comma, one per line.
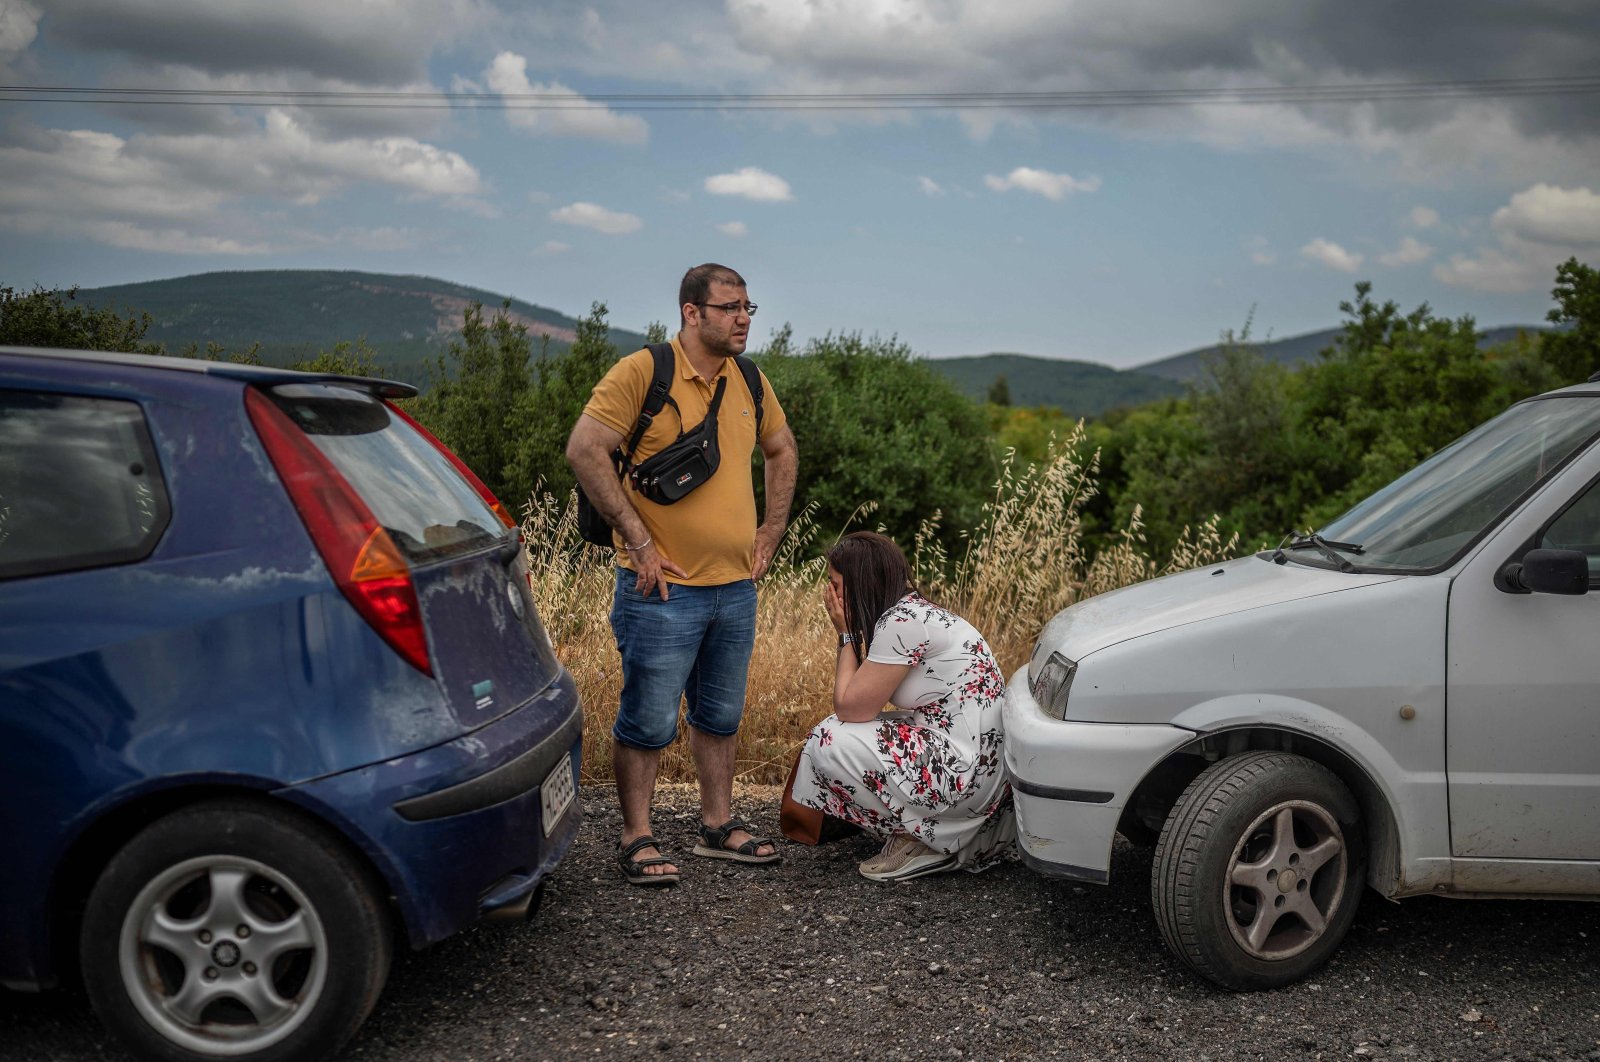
(732,308)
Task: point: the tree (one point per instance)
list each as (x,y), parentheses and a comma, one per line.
(542,416)
(53,318)
(1395,388)
(875,424)
(1575,353)
(344,358)
(474,389)
(1000,391)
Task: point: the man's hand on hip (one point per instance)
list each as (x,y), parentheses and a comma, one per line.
(651,566)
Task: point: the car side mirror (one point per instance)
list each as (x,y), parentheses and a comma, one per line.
(1548,571)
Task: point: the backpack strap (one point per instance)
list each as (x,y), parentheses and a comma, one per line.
(752,380)
(658,396)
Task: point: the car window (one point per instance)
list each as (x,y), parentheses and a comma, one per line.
(411,488)
(80,486)
(1578,527)
(1429,516)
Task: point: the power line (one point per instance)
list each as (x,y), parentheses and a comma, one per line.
(1064,100)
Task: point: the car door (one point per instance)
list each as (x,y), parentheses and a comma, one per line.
(1524,689)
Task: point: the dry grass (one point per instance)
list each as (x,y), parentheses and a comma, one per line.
(1023,564)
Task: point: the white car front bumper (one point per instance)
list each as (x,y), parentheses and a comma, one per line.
(1071,781)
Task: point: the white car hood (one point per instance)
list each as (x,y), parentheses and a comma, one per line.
(1188,597)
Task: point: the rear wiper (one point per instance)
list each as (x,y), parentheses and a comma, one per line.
(1327,548)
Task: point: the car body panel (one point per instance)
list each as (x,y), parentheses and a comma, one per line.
(1525,704)
(471,852)
(1071,781)
(1188,597)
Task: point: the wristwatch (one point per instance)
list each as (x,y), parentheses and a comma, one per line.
(846,638)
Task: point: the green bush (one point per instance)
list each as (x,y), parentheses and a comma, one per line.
(875,424)
(53,318)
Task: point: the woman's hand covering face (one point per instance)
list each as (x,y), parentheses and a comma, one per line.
(833,601)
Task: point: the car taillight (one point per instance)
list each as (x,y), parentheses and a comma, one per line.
(365,563)
(460,466)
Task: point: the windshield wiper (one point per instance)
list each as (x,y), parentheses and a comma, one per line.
(1327,548)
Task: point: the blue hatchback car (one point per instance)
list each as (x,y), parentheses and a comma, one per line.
(273,696)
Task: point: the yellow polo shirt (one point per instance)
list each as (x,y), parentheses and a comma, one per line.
(710,532)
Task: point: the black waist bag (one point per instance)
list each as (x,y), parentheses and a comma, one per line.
(691,459)
(699,458)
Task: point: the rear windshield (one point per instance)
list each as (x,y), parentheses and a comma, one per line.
(412,489)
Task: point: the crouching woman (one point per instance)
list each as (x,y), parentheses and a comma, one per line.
(927,777)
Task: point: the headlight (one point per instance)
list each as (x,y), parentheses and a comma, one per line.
(1051,684)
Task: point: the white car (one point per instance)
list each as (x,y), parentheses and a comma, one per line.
(1409,699)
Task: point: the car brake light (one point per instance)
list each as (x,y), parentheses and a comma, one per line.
(460,466)
(365,563)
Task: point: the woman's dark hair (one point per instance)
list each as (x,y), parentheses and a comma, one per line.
(876,575)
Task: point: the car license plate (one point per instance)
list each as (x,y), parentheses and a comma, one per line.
(556,793)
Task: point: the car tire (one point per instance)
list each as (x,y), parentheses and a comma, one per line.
(234,929)
(1231,888)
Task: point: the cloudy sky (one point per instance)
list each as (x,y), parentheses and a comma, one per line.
(1110,234)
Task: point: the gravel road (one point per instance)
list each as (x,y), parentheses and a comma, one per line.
(807,960)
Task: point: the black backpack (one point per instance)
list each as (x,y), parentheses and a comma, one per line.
(592,525)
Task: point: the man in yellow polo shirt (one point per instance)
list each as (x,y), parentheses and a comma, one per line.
(684,611)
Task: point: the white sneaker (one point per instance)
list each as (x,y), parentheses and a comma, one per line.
(904,857)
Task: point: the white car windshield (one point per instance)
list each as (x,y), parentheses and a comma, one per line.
(1425,519)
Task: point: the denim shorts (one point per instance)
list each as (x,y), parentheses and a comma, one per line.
(694,646)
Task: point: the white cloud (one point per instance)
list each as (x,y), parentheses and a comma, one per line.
(1261,252)
(283,159)
(598,218)
(1055,186)
(1422,217)
(19,24)
(1550,215)
(1332,255)
(1494,270)
(1541,226)
(930,187)
(182,193)
(1410,252)
(566,113)
(751,182)
(736,229)
(553,247)
(167,241)
(972,46)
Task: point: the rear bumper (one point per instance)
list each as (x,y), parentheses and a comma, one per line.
(456,830)
(1071,781)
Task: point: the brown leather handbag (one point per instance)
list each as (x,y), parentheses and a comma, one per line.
(807,825)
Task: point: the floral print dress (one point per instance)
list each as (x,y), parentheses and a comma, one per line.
(934,769)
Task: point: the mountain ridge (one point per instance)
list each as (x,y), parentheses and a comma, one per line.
(294,313)
(410,318)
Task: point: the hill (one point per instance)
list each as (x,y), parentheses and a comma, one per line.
(295,313)
(1292,351)
(1077,388)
